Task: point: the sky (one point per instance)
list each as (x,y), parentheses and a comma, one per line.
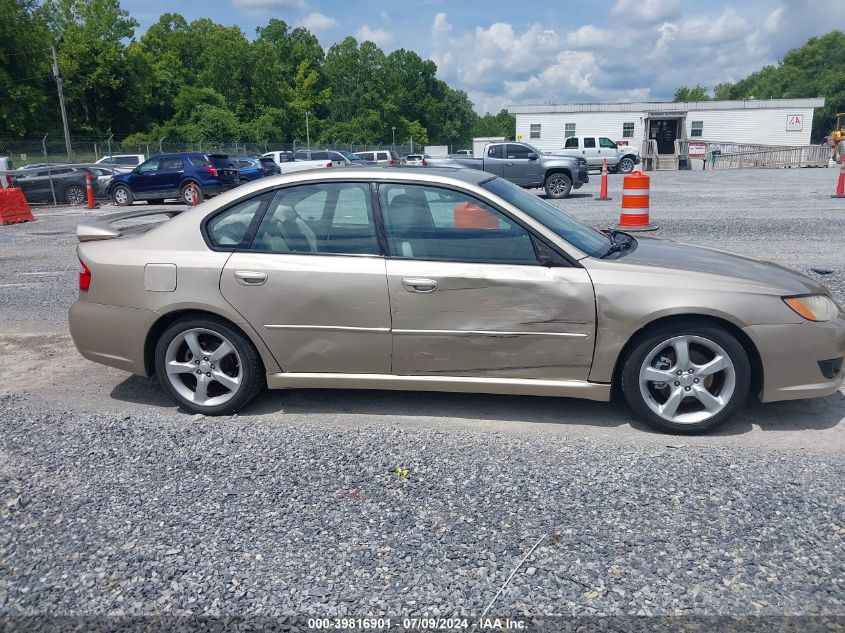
(504,52)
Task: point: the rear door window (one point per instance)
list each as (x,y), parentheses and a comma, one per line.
(589,142)
(171,163)
(571,143)
(319,155)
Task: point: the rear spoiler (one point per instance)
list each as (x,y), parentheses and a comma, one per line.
(101,229)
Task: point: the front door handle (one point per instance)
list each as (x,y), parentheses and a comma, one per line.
(419,285)
(250,278)
(509,164)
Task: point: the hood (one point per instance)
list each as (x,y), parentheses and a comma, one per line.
(762,275)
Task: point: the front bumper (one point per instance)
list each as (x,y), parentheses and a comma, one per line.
(791,355)
(583,176)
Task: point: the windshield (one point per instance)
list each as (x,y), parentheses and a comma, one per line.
(571,229)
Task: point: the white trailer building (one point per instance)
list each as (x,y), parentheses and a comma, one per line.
(781,122)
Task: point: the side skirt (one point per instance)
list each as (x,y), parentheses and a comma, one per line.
(455,384)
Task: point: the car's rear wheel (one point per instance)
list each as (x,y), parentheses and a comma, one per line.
(122,196)
(686,378)
(75,195)
(207,366)
(558,186)
(626,165)
(188,193)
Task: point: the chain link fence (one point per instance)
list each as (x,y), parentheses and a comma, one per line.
(50,148)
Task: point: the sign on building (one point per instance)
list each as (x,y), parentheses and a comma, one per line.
(697,150)
(794,122)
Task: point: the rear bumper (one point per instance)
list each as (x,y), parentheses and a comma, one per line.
(111,335)
(212,189)
(792,354)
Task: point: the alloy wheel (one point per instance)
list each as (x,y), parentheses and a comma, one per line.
(120,195)
(75,196)
(204,367)
(687,379)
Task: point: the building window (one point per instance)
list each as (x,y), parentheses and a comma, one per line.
(535,130)
(697,128)
(568,130)
(627,130)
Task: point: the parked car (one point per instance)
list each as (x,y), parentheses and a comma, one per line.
(416,159)
(463,153)
(251,167)
(596,149)
(7,166)
(380,157)
(68,183)
(444,280)
(526,166)
(303,165)
(279,157)
(122,162)
(172,176)
(104,175)
(343,157)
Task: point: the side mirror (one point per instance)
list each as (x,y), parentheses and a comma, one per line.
(532,156)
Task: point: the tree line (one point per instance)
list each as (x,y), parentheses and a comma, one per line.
(817,69)
(189,80)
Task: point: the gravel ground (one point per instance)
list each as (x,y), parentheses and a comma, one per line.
(114,502)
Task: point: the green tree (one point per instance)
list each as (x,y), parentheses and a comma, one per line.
(698,93)
(501,124)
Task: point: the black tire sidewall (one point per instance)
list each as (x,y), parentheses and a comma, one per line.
(723,338)
(129,197)
(185,194)
(252,377)
(547,186)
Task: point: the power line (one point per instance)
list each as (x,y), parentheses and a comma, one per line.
(32,50)
(15,81)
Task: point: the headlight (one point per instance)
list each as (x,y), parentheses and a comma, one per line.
(813,307)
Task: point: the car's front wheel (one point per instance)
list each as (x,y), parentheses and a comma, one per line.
(626,165)
(75,195)
(122,196)
(207,366)
(686,378)
(558,186)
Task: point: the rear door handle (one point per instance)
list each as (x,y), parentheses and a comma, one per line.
(419,285)
(250,278)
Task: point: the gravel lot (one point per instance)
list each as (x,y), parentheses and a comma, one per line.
(114,502)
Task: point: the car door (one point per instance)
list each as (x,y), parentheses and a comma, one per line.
(522,165)
(607,150)
(165,181)
(590,151)
(141,180)
(469,297)
(312,282)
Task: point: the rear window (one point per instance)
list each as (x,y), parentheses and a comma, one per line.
(267,160)
(200,161)
(220,160)
(319,155)
(393,155)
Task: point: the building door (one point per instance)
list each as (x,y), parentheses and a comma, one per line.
(664,131)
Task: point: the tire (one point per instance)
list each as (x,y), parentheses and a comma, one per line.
(626,165)
(231,381)
(557,185)
(657,353)
(156,201)
(186,194)
(122,196)
(75,195)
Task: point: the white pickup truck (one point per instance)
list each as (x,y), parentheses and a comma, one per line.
(595,149)
(288,167)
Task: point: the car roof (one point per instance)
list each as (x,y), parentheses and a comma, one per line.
(377,172)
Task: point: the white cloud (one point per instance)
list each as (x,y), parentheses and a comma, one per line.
(385,17)
(269,6)
(441,26)
(380,37)
(646,11)
(317,21)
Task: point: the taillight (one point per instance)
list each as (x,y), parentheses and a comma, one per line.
(391,162)
(329,164)
(84,277)
(210,170)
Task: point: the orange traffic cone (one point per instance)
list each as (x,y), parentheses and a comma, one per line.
(603,188)
(194,194)
(635,201)
(840,186)
(89,189)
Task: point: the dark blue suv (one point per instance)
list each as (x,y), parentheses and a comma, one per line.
(171,176)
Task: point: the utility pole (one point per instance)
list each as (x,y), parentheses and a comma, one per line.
(62,105)
(394,138)
(307,132)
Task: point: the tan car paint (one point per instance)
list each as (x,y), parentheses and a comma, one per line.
(110,323)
